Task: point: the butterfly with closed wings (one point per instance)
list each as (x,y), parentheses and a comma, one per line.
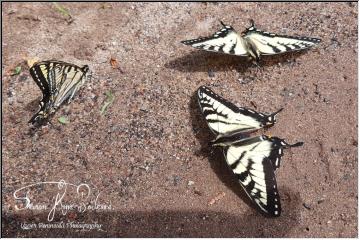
(58,82)
(252,159)
(251,43)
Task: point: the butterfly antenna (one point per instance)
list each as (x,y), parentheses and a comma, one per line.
(222,23)
(275,113)
(298,144)
(252,23)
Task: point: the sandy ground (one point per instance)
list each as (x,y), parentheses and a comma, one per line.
(148,156)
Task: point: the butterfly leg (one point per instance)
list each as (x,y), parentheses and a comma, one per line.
(256,65)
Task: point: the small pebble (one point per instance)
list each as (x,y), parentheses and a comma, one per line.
(211,73)
(176,179)
(307,206)
(246,80)
(190,183)
(10,93)
(197,192)
(346,176)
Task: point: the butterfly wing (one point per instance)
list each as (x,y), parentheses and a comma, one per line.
(69,78)
(39,73)
(58,81)
(227,40)
(269,43)
(224,118)
(277,146)
(253,162)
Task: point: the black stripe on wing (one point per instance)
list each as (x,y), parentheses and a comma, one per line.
(85,68)
(39,78)
(253,29)
(222,33)
(266,120)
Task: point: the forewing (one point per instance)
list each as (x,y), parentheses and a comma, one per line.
(225,118)
(69,79)
(227,40)
(269,43)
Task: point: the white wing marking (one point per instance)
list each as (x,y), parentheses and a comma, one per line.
(269,45)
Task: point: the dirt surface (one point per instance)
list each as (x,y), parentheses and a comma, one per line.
(148,155)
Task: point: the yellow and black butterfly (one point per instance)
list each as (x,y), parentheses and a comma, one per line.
(58,82)
(253,160)
(252,42)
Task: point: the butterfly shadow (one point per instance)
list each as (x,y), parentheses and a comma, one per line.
(287,59)
(33,106)
(203,61)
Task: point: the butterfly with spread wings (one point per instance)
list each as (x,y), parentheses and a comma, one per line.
(251,43)
(58,82)
(252,159)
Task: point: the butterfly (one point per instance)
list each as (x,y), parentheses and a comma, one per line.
(58,82)
(251,43)
(252,159)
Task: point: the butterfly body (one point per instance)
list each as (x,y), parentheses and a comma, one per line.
(253,160)
(58,82)
(252,42)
